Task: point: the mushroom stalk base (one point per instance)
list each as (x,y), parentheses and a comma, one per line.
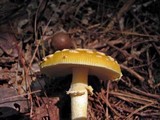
(79,94)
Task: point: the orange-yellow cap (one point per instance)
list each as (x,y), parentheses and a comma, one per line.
(62,63)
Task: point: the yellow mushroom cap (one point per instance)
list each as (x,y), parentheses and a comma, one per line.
(61,63)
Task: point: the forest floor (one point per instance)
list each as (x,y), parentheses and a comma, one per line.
(127,30)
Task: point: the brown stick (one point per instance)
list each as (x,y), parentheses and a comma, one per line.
(139,77)
(121,12)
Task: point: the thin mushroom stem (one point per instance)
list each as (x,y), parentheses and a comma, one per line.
(79,93)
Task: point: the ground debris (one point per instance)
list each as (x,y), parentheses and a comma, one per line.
(127,31)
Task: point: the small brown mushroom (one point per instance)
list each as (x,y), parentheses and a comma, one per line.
(61,40)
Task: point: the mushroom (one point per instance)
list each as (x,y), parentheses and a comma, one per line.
(80,63)
(61,40)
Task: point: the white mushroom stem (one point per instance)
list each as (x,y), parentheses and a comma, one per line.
(79,93)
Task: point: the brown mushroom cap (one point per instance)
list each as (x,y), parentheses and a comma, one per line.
(61,40)
(62,62)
